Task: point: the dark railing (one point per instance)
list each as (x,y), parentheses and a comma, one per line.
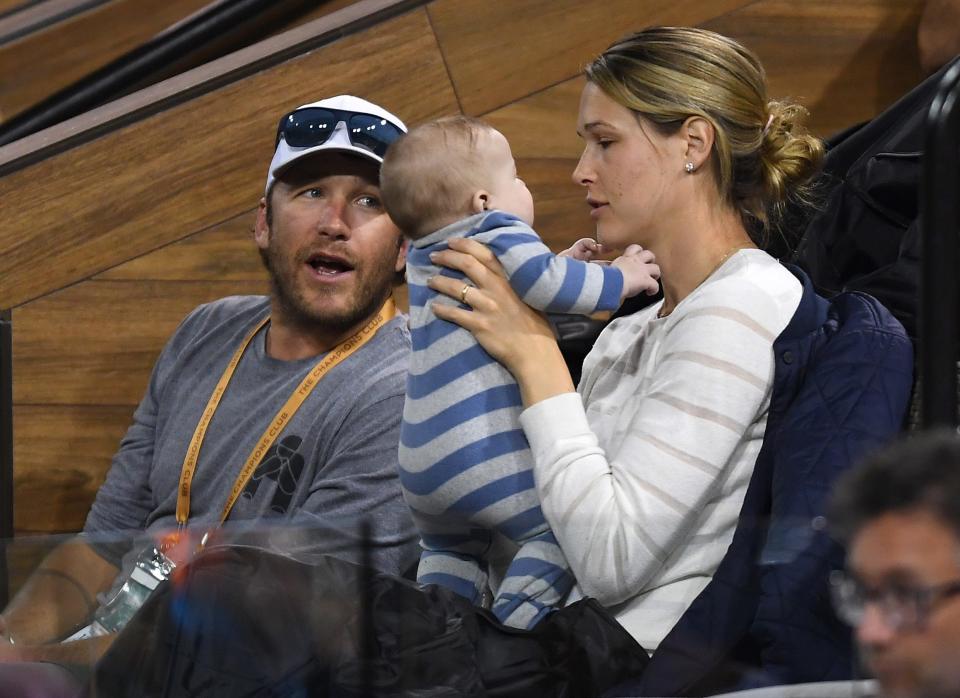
(225,24)
(940,230)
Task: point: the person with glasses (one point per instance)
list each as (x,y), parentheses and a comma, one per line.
(899,514)
(282,410)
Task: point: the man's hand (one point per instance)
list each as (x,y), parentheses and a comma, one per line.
(8,651)
(59,596)
(81,652)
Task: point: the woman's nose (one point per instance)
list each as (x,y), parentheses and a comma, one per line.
(583,173)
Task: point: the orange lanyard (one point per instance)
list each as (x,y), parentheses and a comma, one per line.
(331,359)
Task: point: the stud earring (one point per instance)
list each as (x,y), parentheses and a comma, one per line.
(689,167)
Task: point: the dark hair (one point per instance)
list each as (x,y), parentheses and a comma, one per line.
(917,473)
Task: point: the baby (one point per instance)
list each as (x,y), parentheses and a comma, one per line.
(465,465)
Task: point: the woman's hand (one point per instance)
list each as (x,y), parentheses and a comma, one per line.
(517,336)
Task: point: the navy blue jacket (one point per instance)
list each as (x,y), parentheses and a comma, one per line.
(842,381)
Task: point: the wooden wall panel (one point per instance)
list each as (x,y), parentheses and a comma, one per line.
(499,52)
(562,215)
(845,61)
(45,61)
(10,5)
(225,252)
(95,342)
(183,170)
(61,457)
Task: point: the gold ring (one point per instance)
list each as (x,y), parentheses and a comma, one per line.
(463,294)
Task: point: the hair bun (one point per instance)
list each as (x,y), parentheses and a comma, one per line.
(790,156)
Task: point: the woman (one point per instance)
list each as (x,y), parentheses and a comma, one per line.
(642,474)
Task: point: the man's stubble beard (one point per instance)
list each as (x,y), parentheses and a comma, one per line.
(364,300)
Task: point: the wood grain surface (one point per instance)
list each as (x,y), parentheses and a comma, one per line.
(42,62)
(499,52)
(62,454)
(845,61)
(197,164)
(223,252)
(11,5)
(94,343)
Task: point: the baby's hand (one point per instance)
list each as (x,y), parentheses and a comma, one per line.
(584,249)
(640,272)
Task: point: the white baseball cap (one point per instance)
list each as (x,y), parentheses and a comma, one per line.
(358,126)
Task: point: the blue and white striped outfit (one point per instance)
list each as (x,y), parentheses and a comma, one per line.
(465,465)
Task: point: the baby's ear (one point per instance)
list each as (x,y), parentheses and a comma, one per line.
(480,201)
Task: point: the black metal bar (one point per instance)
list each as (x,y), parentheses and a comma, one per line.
(6,448)
(135,68)
(940,232)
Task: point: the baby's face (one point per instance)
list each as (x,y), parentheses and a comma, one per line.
(507,191)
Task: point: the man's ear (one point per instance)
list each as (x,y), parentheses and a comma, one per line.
(699,135)
(401,262)
(261,231)
(480,201)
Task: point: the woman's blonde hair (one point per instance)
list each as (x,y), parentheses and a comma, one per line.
(763,156)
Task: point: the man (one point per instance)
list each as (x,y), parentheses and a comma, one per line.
(900,514)
(248,416)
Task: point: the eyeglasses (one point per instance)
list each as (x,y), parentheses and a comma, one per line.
(902,607)
(312,126)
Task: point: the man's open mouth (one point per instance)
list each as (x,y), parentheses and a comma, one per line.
(329,265)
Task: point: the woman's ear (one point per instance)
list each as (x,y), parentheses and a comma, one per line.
(480,201)
(699,135)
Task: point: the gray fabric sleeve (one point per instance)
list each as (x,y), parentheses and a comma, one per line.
(124,500)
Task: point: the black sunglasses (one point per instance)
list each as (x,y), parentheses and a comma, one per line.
(312,126)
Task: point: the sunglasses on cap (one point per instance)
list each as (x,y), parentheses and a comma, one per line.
(313,126)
